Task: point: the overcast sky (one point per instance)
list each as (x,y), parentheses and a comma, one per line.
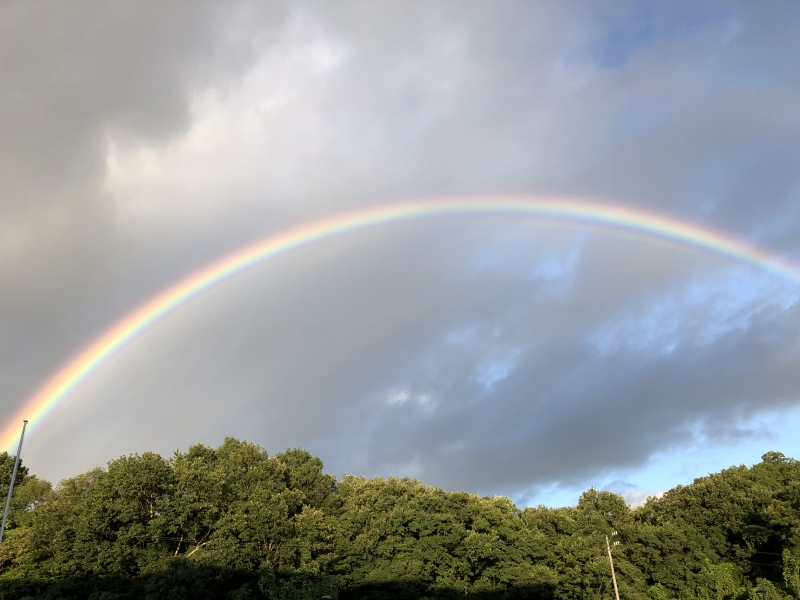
(501,355)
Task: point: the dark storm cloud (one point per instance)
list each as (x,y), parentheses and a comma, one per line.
(569,410)
(381,365)
(74,72)
(491,356)
(72,75)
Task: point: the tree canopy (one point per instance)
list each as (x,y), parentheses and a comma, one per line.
(235,522)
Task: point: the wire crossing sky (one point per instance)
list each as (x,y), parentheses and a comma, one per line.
(609,216)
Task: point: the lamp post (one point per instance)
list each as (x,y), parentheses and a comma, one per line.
(11,483)
(762,592)
(611,563)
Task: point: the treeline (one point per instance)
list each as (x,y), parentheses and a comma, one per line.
(235,523)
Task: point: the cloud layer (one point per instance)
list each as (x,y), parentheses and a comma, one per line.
(499,355)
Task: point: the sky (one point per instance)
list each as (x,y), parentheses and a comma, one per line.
(499,354)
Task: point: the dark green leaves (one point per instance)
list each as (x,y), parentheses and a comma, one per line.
(233,522)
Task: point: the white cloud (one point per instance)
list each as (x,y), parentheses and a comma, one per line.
(699,313)
(635,498)
(246,144)
(396,398)
(420,401)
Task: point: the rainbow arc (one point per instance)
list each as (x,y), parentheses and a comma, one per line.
(608,216)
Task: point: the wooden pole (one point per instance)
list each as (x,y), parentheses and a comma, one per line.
(611,562)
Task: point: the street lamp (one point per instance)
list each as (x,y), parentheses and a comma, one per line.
(762,592)
(611,563)
(11,483)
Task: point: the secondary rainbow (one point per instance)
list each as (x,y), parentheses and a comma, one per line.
(598,214)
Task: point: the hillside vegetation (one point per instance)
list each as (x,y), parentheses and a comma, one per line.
(234,522)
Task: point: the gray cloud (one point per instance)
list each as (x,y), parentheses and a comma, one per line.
(73,75)
(496,355)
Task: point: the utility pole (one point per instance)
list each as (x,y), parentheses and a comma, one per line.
(611,562)
(11,484)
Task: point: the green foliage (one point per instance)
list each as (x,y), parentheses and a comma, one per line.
(29,492)
(236,523)
(791,571)
(721,581)
(303,587)
(658,592)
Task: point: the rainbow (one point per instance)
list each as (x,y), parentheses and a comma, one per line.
(614,217)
